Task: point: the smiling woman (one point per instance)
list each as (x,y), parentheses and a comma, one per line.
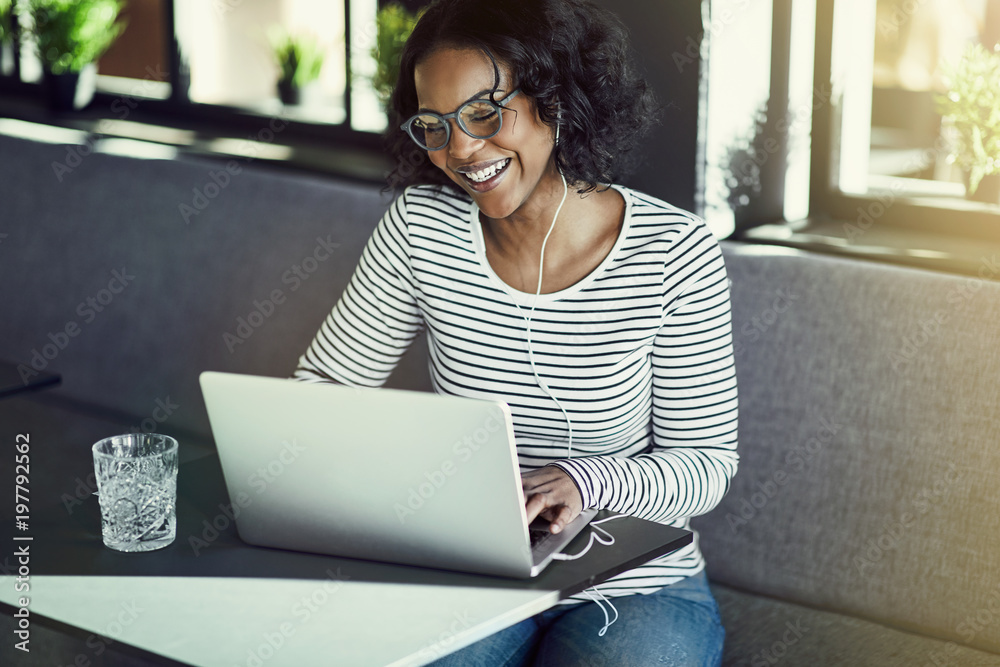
(600,315)
(519,154)
(602,123)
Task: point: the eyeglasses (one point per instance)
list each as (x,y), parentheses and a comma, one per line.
(480,119)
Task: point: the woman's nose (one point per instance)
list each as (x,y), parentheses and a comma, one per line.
(462,145)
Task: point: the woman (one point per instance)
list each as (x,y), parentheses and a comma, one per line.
(599,314)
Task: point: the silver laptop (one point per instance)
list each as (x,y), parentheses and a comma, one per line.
(380,474)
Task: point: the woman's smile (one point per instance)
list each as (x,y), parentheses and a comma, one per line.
(484,176)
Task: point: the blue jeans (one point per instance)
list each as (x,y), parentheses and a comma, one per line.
(677,625)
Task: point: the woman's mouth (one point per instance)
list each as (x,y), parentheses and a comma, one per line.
(486,178)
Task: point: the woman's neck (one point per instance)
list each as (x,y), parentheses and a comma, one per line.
(584,232)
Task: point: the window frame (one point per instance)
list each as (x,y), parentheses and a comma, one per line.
(179,111)
(955,218)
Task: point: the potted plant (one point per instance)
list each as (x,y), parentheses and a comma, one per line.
(393,24)
(971,109)
(5,30)
(70,36)
(300,60)
(4,21)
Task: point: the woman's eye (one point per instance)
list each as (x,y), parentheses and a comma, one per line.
(480,113)
(428,125)
(484,116)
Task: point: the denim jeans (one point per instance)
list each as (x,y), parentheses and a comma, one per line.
(677,625)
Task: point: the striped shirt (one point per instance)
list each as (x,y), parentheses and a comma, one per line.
(638,353)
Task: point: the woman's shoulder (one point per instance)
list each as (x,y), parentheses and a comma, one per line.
(648,206)
(653,217)
(435,200)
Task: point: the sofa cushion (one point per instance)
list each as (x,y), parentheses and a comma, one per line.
(137,274)
(869,476)
(761,632)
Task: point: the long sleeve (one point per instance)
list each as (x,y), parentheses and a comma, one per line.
(692,459)
(376,318)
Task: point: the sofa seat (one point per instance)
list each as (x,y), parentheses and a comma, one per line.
(763,631)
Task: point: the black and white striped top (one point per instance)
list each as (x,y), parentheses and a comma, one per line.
(639,354)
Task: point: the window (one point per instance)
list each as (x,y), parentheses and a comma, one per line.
(210,61)
(823,128)
(230,60)
(138,60)
(891,135)
(881,151)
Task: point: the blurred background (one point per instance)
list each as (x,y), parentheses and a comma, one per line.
(787,113)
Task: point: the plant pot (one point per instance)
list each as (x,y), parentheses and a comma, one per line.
(71,91)
(289,93)
(988,191)
(6,59)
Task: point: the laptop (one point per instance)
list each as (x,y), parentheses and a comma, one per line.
(379,474)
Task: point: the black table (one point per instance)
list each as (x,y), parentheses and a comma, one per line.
(193,592)
(21,378)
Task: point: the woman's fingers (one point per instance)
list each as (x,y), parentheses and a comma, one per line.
(552,495)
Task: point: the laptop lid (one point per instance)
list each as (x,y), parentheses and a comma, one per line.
(390,475)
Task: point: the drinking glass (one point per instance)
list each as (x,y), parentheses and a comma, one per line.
(137,489)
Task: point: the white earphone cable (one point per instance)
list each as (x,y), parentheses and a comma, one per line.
(593,537)
(527,318)
(607,622)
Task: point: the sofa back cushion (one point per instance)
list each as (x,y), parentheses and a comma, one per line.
(129,276)
(869,441)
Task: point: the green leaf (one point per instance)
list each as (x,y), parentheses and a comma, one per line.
(70,34)
(299,57)
(394,24)
(971,106)
(5,24)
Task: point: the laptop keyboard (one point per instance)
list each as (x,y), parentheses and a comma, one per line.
(537,536)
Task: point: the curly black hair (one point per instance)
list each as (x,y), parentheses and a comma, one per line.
(570,56)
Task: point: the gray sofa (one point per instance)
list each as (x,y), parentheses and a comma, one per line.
(860,529)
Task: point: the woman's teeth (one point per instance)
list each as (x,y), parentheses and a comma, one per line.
(488,173)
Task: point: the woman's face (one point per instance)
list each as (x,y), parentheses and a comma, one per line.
(519,156)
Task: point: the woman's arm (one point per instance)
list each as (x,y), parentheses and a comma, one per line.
(694,418)
(375,319)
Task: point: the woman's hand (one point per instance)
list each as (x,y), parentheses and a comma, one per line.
(551,494)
